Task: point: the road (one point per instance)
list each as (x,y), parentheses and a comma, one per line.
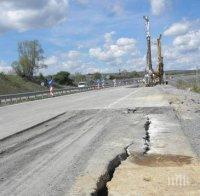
(15,118)
(64,145)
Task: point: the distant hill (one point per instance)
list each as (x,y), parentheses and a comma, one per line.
(168,72)
(174,72)
(14,84)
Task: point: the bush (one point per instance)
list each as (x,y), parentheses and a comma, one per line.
(63,78)
(134,74)
(2,75)
(196,88)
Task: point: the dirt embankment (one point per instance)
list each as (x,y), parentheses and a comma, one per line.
(10,84)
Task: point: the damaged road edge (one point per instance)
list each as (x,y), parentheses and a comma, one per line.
(114,163)
(101,186)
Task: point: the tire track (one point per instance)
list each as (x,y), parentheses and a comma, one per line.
(36,157)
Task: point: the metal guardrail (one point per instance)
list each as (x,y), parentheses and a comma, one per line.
(29,96)
(19,97)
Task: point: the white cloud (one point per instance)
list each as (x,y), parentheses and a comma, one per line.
(188,42)
(51,61)
(184,51)
(179,28)
(115,54)
(176,59)
(72,61)
(108,36)
(159,6)
(112,52)
(28,14)
(121,53)
(126,43)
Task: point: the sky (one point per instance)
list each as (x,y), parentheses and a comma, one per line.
(101,35)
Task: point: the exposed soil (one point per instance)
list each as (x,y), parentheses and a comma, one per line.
(157,160)
(157,175)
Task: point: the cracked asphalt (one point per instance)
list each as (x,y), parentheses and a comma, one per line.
(62,145)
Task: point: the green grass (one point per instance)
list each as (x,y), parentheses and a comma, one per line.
(14,84)
(194,86)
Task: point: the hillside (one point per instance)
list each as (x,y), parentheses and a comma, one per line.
(14,84)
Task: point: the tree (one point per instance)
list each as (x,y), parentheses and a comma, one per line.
(63,78)
(31,59)
(97,76)
(41,77)
(134,74)
(78,77)
(2,75)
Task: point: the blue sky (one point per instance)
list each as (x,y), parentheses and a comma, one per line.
(101,35)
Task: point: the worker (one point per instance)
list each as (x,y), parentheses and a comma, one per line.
(114,82)
(50,84)
(103,83)
(98,84)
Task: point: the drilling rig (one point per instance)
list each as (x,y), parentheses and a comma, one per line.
(160,70)
(153,77)
(148,69)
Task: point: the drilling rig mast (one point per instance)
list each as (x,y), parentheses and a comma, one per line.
(149,69)
(160,70)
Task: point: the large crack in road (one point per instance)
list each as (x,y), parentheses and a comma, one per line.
(102,189)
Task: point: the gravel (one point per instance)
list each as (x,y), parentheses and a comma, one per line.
(187,107)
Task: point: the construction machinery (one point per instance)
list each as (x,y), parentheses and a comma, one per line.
(152,77)
(148,70)
(160,69)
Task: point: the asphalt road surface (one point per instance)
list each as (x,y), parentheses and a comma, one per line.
(15,118)
(63,145)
